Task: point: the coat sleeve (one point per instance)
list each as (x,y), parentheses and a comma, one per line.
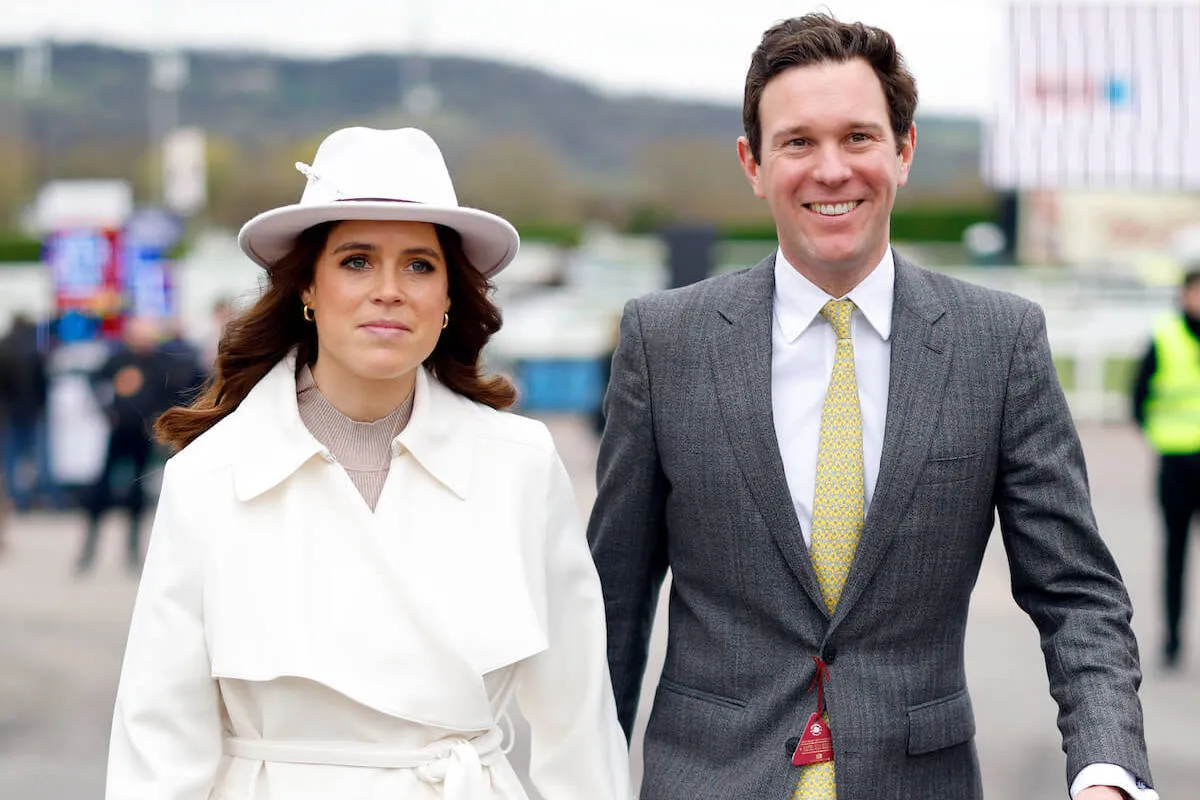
(1063,575)
(627,529)
(565,694)
(166,732)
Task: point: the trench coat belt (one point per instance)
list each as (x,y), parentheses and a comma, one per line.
(455,762)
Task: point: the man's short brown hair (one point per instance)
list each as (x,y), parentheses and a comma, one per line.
(815,38)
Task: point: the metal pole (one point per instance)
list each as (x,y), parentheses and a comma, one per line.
(153,129)
(418,97)
(168,74)
(34,76)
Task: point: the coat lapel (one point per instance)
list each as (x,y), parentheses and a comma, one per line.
(921,354)
(740,352)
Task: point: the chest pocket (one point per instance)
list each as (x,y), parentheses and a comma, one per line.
(951,470)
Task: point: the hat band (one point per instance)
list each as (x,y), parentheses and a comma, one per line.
(374,200)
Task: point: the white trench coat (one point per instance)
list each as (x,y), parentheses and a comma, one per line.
(288,643)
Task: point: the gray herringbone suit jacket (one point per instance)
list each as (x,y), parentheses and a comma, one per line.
(691,478)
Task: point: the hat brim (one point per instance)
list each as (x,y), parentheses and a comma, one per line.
(489,242)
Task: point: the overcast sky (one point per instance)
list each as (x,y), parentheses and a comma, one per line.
(683,48)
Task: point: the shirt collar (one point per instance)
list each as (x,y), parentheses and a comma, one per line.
(798,300)
(276,443)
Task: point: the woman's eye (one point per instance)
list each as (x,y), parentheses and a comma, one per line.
(421,265)
(356,262)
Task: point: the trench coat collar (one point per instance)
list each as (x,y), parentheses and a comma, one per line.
(441,433)
(274,442)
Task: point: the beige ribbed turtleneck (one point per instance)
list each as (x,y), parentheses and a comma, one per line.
(364,449)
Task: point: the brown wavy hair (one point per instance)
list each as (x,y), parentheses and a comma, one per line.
(816,38)
(254,342)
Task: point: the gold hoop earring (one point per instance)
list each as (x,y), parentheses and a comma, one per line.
(445,320)
(308,313)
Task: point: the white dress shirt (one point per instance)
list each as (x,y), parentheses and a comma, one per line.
(803,344)
(802,349)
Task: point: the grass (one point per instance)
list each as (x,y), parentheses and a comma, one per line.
(1118,373)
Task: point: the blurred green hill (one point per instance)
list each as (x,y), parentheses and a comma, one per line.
(524,142)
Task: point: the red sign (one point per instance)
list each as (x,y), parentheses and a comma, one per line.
(85,266)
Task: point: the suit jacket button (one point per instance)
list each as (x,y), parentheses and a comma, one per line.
(829,655)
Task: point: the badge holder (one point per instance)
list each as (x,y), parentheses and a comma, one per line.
(816,743)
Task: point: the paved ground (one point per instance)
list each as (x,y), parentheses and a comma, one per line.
(61,640)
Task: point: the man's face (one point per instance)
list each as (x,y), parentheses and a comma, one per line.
(141,334)
(1191,300)
(829,169)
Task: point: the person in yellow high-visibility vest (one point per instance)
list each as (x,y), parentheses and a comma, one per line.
(1166,404)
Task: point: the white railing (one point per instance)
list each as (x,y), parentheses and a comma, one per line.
(1098,324)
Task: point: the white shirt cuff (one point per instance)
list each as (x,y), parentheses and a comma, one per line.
(1112,775)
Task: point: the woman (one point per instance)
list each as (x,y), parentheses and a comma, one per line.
(357,560)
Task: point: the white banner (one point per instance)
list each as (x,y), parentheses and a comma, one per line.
(1098,96)
(185,171)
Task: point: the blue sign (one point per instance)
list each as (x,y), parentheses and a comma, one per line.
(561,384)
(74,326)
(77,260)
(147,285)
(1118,91)
(154,227)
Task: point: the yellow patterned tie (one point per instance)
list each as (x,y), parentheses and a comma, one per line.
(837,502)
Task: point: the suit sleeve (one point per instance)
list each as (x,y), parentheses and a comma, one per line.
(166,732)
(627,529)
(576,746)
(1062,573)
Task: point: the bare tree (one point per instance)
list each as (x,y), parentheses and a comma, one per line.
(521,179)
(697,180)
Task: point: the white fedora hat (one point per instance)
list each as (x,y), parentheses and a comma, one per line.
(368,174)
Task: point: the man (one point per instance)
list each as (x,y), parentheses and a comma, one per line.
(5,507)
(183,361)
(223,312)
(1166,404)
(23,394)
(133,386)
(822,478)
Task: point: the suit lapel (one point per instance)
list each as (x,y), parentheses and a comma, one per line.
(920,364)
(740,354)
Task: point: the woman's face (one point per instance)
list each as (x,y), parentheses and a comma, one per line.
(378,294)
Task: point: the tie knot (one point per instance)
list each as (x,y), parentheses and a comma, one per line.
(838,313)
